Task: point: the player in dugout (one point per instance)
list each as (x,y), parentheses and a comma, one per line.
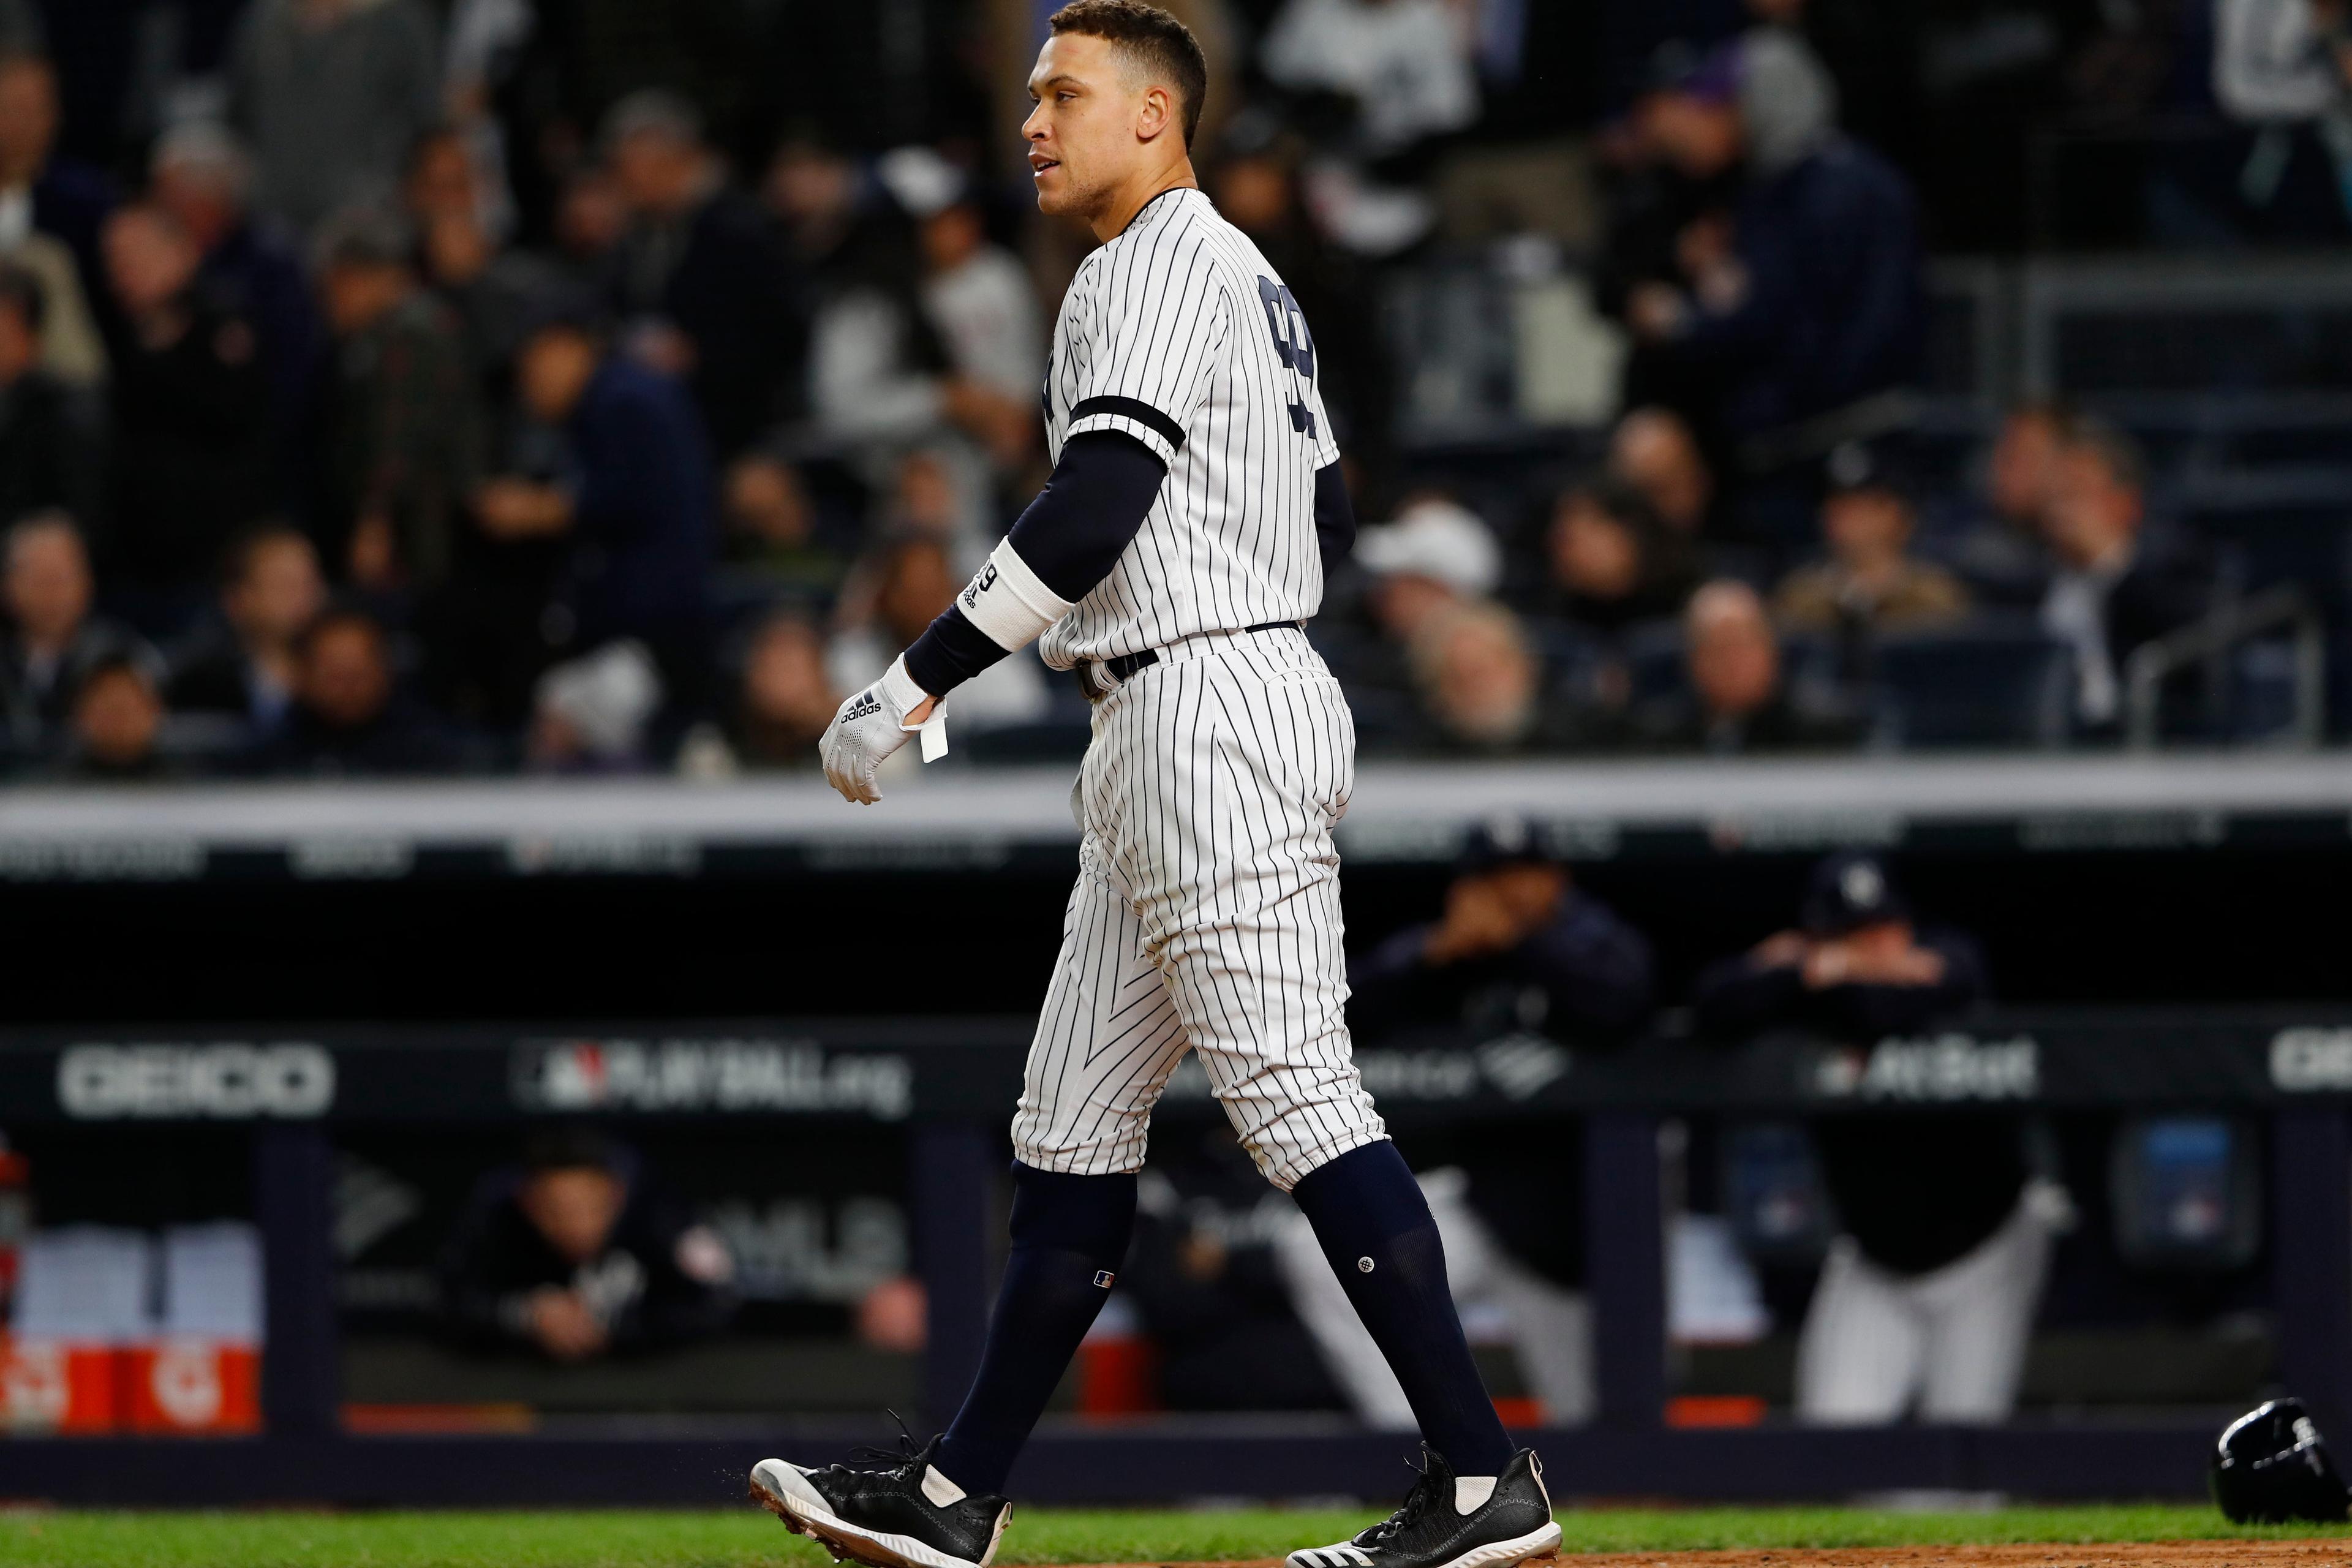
(577,1253)
(1928,1296)
(1519,947)
(1196,509)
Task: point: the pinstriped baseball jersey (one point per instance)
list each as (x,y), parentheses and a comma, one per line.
(1178,332)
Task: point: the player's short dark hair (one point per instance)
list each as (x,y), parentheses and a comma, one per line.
(568,1148)
(1154,37)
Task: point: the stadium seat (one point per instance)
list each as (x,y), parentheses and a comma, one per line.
(2265,542)
(1992,683)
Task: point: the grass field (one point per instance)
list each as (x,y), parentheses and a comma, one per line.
(1039,1536)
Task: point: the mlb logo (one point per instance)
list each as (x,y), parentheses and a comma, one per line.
(1103,1276)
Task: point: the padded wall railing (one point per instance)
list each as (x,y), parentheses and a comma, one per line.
(949,1083)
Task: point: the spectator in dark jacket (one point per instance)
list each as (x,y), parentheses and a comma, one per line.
(1737,699)
(1611,562)
(349,716)
(2120,583)
(628,495)
(49,455)
(710,293)
(192,452)
(200,173)
(492,289)
(1806,295)
(1929,1294)
(576,1254)
(54,641)
(1519,947)
(2003,550)
(404,437)
(242,667)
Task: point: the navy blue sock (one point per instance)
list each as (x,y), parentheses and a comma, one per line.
(1069,1236)
(1376,1233)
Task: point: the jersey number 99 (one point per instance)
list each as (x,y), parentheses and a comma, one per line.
(1293,345)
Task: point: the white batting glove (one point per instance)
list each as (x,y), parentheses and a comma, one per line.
(870,726)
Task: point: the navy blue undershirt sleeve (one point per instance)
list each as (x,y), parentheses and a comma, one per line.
(1335,519)
(1071,536)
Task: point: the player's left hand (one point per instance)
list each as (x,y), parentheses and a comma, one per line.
(869,726)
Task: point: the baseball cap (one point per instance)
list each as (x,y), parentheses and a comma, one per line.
(562,304)
(1711,77)
(1436,538)
(1848,891)
(922,183)
(1502,841)
(1867,466)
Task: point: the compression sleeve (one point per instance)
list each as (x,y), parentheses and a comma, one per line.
(1064,543)
(1335,519)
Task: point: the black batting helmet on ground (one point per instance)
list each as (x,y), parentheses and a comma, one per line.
(2271,1467)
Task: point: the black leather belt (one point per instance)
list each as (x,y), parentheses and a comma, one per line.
(1099,678)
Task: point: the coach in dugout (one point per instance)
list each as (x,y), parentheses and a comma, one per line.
(1929,1294)
(577,1253)
(1518,948)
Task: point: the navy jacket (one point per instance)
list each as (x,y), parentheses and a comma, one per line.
(644,534)
(740,296)
(257,273)
(71,201)
(1587,972)
(1737,996)
(1833,310)
(496,1257)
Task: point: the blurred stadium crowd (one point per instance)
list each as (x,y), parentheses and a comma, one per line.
(394,386)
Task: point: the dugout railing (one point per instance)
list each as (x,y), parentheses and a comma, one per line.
(946,1085)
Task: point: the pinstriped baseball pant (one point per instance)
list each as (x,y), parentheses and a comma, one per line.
(1205,916)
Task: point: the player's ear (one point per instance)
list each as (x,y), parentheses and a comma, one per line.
(1157,114)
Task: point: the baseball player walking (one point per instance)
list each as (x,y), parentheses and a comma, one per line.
(1194,506)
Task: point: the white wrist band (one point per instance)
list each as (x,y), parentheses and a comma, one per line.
(1009,602)
(901,688)
(904,692)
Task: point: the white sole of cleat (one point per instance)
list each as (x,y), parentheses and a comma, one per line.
(1539,1544)
(783,1490)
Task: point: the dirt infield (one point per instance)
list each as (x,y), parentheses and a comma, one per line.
(2328,1553)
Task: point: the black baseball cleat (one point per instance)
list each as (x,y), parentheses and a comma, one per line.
(898,1513)
(1445,1523)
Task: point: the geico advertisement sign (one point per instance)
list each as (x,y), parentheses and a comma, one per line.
(228,1080)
